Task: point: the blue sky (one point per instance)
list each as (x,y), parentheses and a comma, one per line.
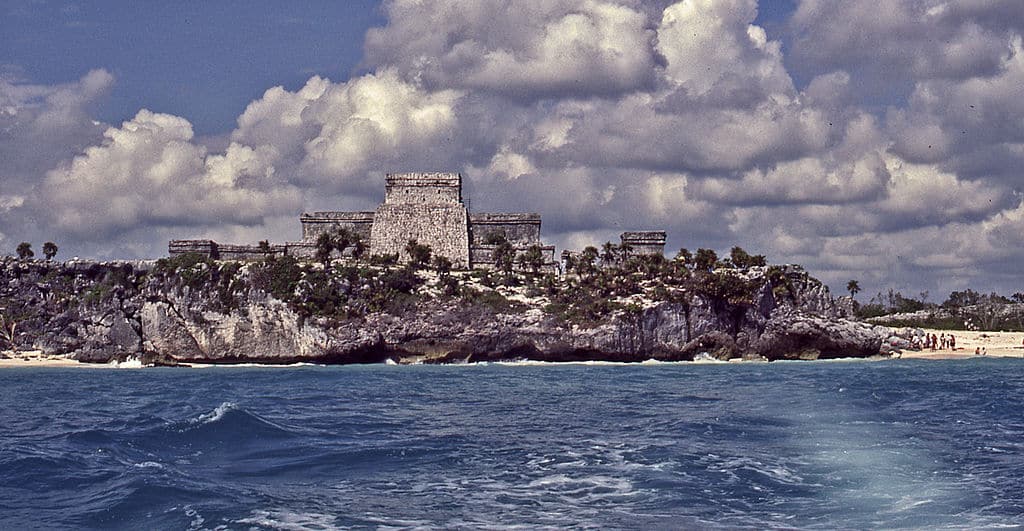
(879,141)
(202,60)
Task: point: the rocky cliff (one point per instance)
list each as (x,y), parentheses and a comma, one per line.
(194,310)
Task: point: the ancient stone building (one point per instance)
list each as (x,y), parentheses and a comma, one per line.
(427,207)
(644,242)
(631,243)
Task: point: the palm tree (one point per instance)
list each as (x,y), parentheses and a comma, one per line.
(324,247)
(49,250)
(533,258)
(25,251)
(624,251)
(853,287)
(585,263)
(607,253)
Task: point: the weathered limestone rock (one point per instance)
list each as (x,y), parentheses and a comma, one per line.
(790,335)
(116,312)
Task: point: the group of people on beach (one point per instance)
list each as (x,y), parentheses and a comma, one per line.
(933,342)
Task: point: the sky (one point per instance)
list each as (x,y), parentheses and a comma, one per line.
(877,141)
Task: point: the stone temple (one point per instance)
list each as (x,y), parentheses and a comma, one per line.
(427,207)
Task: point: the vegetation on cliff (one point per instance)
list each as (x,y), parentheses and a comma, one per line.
(611,304)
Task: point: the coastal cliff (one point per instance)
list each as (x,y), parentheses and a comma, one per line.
(192,310)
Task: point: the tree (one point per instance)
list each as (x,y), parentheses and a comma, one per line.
(853,287)
(533,258)
(358,247)
(685,256)
(740,258)
(8,331)
(1018,297)
(705,260)
(49,250)
(570,262)
(959,299)
(419,254)
(442,265)
(264,246)
(25,251)
(607,253)
(585,263)
(342,239)
(624,251)
(504,257)
(324,248)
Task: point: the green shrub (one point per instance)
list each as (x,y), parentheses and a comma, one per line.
(277,276)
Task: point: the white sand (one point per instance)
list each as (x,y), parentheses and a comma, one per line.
(35,358)
(1000,344)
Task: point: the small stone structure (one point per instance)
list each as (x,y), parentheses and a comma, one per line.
(637,243)
(644,242)
(427,207)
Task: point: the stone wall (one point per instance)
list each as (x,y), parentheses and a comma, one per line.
(644,242)
(519,228)
(248,252)
(221,251)
(317,223)
(203,247)
(426,207)
(445,228)
(423,188)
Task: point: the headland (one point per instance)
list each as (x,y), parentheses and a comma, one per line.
(423,280)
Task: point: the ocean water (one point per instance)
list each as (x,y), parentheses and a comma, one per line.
(821,445)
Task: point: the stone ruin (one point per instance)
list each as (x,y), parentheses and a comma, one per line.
(636,243)
(427,207)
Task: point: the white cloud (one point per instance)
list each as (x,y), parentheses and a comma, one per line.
(568,48)
(711,45)
(894,159)
(148,173)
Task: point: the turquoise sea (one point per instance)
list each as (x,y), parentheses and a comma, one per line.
(819,445)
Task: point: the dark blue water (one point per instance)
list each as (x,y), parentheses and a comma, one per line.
(899,444)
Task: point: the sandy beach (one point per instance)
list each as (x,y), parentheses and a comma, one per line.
(35,358)
(998,344)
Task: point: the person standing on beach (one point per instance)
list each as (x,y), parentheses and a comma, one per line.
(952,342)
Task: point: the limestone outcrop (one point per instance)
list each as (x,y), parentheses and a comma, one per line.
(98,312)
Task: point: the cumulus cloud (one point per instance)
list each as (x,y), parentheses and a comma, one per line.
(891,44)
(42,124)
(948,118)
(894,157)
(567,48)
(148,172)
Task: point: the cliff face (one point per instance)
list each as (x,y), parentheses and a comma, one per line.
(98,312)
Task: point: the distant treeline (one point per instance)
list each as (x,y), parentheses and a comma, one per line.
(961,309)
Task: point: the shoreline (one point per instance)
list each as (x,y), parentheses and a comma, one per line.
(996,345)
(35,358)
